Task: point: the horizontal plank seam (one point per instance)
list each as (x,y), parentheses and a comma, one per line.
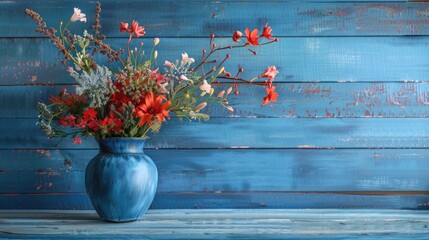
(233,148)
(369,193)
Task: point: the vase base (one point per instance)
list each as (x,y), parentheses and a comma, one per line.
(120,221)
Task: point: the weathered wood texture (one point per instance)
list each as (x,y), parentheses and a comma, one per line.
(226,133)
(178,18)
(300,100)
(186,171)
(349,130)
(300,59)
(220,224)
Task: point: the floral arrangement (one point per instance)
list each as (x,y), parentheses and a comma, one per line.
(138,97)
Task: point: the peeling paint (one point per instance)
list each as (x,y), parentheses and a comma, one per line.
(48,172)
(306,146)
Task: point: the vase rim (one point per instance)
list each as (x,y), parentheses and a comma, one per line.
(122,145)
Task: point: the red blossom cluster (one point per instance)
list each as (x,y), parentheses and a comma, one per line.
(253,37)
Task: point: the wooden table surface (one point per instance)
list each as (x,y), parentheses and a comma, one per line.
(220,224)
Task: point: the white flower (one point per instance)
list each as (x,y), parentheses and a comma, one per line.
(186,59)
(78,16)
(200,106)
(205,87)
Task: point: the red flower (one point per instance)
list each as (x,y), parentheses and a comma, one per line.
(267,32)
(94,125)
(56,99)
(252,37)
(77,140)
(89,114)
(159,78)
(116,125)
(237,35)
(119,98)
(67,121)
(151,107)
(271,95)
(123,27)
(79,122)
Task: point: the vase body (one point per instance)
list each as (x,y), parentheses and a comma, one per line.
(121,180)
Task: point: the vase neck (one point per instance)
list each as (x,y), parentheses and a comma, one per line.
(122,145)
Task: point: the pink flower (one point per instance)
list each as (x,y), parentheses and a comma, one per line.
(123,27)
(267,32)
(77,140)
(70,70)
(138,30)
(168,64)
(135,28)
(237,35)
(270,72)
(78,16)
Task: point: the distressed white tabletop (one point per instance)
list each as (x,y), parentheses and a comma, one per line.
(219,224)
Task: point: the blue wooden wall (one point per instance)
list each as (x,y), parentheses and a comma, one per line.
(350,129)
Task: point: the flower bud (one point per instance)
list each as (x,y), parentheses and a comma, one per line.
(155,54)
(229,91)
(155,41)
(211,91)
(221,70)
(221,94)
(203,93)
(230,108)
(200,106)
(168,64)
(183,77)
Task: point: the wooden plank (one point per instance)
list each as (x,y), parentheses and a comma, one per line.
(333,59)
(263,224)
(230,200)
(225,133)
(236,170)
(332,18)
(301,100)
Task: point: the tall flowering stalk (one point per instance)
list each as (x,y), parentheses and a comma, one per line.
(136,99)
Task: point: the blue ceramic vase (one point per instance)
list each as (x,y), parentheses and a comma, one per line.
(121,180)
